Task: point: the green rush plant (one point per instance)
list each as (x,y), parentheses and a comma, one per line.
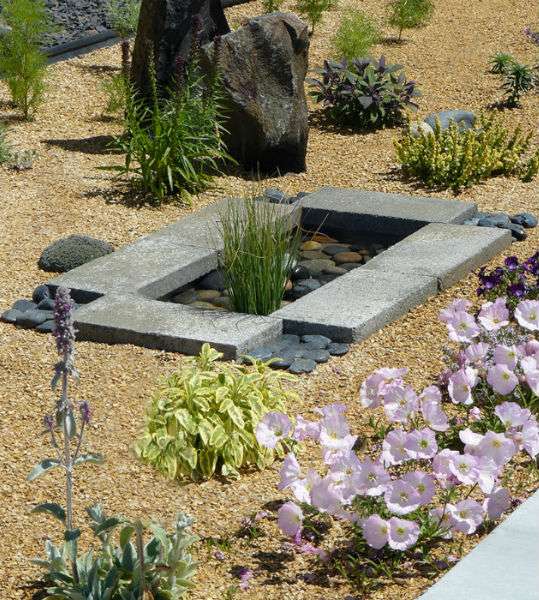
(202,420)
(456,159)
(313,10)
(356,35)
(518,79)
(173,143)
(22,64)
(409,14)
(116,88)
(259,251)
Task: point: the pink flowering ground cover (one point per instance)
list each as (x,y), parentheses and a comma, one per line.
(437,466)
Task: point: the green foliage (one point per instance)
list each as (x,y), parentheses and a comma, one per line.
(456,159)
(518,79)
(123,16)
(115,570)
(22,64)
(203,420)
(272,5)
(5,149)
(173,144)
(364,93)
(500,62)
(116,88)
(409,14)
(313,10)
(259,252)
(356,35)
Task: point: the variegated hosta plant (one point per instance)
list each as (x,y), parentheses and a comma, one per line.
(203,419)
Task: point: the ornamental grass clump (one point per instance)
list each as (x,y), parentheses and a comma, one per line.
(22,64)
(202,421)
(356,35)
(455,159)
(134,568)
(436,466)
(364,93)
(259,250)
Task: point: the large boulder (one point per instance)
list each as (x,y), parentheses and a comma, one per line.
(71,252)
(165,32)
(263,66)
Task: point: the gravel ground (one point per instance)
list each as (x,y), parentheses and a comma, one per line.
(64,194)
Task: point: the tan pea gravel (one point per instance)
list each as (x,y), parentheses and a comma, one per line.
(64,194)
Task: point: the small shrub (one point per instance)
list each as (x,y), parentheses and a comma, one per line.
(409,14)
(5,149)
(22,64)
(123,16)
(313,10)
(203,420)
(500,63)
(173,144)
(456,159)
(356,35)
(518,79)
(258,254)
(364,93)
(272,5)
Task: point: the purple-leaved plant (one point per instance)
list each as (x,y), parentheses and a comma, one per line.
(65,434)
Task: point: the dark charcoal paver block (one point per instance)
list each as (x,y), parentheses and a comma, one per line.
(378,212)
(173,327)
(446,252)
(356,305)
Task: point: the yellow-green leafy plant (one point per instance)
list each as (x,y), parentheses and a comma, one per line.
(455,159)
(202,420)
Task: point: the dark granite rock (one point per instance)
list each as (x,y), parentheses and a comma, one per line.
(72,252)
(275,195)
(320,341)
(213,281)
(517,231)
(24,305)
(46,327)
(40,293)
(525,219)
(290,338)
(338,349)
(352,266)
(302,365)
(299,272)
(11,315)
(494,220)
(317,267)
(334,249)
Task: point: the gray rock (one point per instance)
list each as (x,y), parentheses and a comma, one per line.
(334,271)
(473,221)
(11,315)
(185,297)
(275,195)
(319,355)
(317,267)
(46,304)
(263,66)
(290,338)
(71,252)
(464,119)
(165,34)
(291,352)
(310,284)
(302,365)
(318,341)
(24,305)
(337,349)
(262,353)
(517,231)
(352,266)
(524,219)
(334,249)
(213,281)
(40,293)
(46,327)
(282,363)
(494,220)
(33,318)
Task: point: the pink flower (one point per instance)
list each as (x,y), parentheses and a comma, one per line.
(272,428)
(306,429)
(466,515)
(442,517)
(399,403)
(375,531)
(423,483)
(497,503)
(497,447)
(457,306)
(302,487)
(290,471)
(511,414)
(431,394)
(421,443)
(527,314)
(325,497)
(369,393)
(530,438)
(373,479)
(474,414)
(475,353)
(460,385)
(506,355)
(464,468)
(494,315)
(462,327)
(530,366)
(402,534)
(502,380)
(393,450)
(441,470)
(335,433)
(402,498)
(290,519)
(433,415)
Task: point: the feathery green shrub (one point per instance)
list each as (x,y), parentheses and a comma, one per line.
(313,10)
(5,149)
(518,79)
(203,419)
(409,14)
(356,35)
(457,159)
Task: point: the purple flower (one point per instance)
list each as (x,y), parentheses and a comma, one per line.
(511,262)
(64,331)
(518,290)
(460,385)
(502,379)
(219,555)
(85,412)
(402,498)
(402,534)
(290,519)
(272,428)
(423,483)
(393,448)
(497,503)
(511,414)
(494,315)
(244,574)
(467,515)
(421,443)
(375,531)
(527,314)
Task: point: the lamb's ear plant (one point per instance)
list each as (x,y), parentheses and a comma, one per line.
(22,64)
(409,14)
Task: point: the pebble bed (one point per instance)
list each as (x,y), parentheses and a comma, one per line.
(76,19)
